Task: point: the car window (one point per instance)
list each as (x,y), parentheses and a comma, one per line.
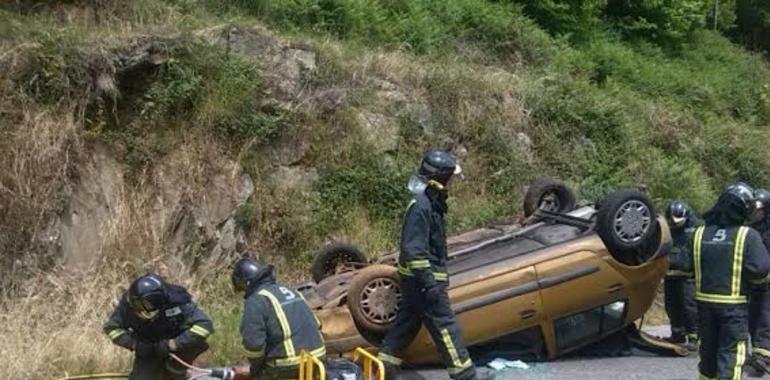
(527,345)
(586,326)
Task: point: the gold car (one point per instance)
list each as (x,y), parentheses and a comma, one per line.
(563,279)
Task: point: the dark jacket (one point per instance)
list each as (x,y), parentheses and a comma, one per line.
(681,247)
(277,325)
(180,320)
(725,261)
(423,239)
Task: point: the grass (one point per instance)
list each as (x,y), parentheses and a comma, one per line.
(474,76)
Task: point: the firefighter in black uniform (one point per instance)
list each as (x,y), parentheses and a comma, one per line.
(423,273)
(277,324)
(759,297)
(155,318)
(679,285)
(726,256)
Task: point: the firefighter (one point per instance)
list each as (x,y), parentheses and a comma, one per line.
(679,285)
(423,274)
(726,256)
(759,297)
(277,324)
(153,319)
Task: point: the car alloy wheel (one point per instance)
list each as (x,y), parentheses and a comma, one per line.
(379,300)
(631,221)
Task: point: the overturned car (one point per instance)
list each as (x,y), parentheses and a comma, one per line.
(566,277)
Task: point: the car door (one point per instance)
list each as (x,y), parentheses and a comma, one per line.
(498,303)
(583,299)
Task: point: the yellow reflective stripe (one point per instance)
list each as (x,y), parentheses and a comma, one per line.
(405,271)
(704,377)
(418,264)
(740,359)
(114,334)
(720,298)
(738,260)
(454,371)
(696,256)
(389,358)
(450,347)
(760,351)
(285,327)
(294,360)
(200,331)
(440,276)
(254,354)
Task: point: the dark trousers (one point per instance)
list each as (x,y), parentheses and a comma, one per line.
(759,325)
(155,367)
(723,334)
(680,306)
(436,313)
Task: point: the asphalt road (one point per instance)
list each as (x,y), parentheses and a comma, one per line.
(638,367)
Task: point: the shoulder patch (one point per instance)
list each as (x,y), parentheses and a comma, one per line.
(173,311)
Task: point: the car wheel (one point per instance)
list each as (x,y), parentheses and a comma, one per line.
(550,195)
(628,225)
(373,297)
(334,256)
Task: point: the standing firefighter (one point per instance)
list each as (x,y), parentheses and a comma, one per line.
(154,319)
(277,323)
(423,273)
(726,257)
(759,297)
(679,285)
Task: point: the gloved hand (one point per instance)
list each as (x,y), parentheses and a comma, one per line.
(161,348)
(144,349)
(241,373)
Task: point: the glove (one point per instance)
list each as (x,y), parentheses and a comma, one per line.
(161,348)
(144,349)
(241,373)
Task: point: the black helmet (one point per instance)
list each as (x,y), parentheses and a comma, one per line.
(733,205)
(743,192)
(246,270)
(439,166)
(761,198)
(147,295)
(677,213)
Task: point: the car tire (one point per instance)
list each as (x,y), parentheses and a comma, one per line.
(628,225)
(373,297)
(548,194)
(330,257)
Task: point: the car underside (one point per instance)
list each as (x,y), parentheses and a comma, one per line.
(562,279)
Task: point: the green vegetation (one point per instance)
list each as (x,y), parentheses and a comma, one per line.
(600,93)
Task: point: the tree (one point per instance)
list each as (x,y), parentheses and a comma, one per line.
(661,21)
(753,23)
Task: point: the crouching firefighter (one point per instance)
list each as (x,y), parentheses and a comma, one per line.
(726,257)
(759,296)
(679,285)
(153,319)
(277,324)
(423,274)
